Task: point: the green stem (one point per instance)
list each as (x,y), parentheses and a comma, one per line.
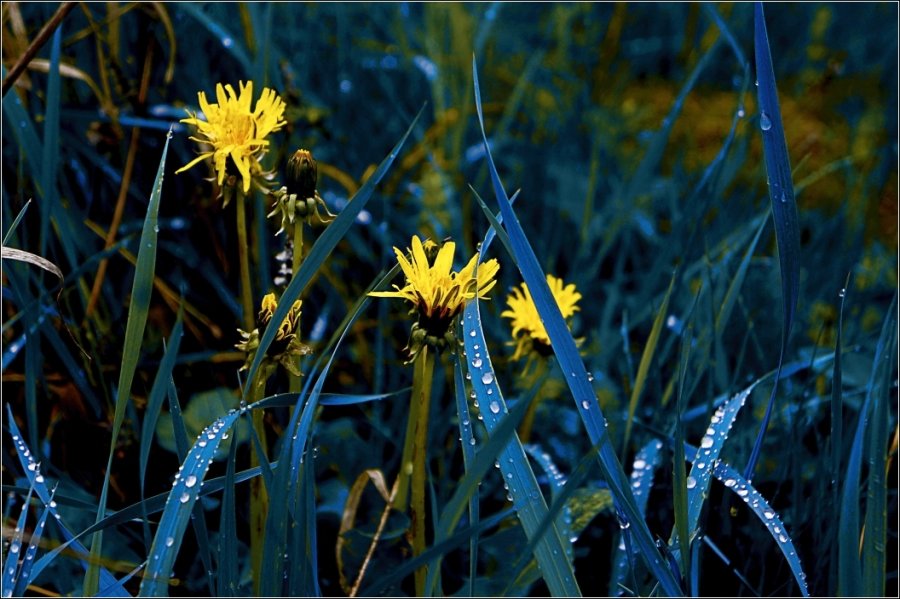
(421,399)
(294,384)
(537,378)
(243,251)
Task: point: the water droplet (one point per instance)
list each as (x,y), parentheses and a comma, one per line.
(769,515)
(487,378)
(227,42)
(53,503)
(468,376)
(156,228)
(185,497)
(842,293)
(640,464)
(706,442)
(691,482)
(472,395)
(472,441)
(39,478)
(476,363)
(741,113)
(190,481)
(32,467)
(472,333)
(586,405)
(764,122)
(782,538)
(14,548)
(169,541)
(743,492)
(495,407)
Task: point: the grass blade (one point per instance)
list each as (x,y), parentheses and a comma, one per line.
(179,504)
(644,366)
(764,512)
(875,538)
(227,573)
(467,442)
(576,377)
(25,577)
(134,333)
(154,405)
(784,205)
(11,566)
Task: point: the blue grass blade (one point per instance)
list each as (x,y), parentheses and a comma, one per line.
(679,477)
(118,589)
(558,511)
(11,565)
(182,446)
(837,439)
(389,582)
(646,461)
(134,333)
(575,374)
(24,132)
(494,451)
(529,502)
(784,205)
(227,573)
(467,442)
(179,505)
(33,375)
(708,453)
(50,157)
(36,480)
(322,248)
(879,389)
(15,223)
(25,575)
(154,405)
(286,400)
(767,515)
(304,580)
(266,471)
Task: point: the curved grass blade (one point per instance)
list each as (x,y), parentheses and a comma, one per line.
(646,461)
(837,439)
(575,374)
(134,333)
(764,512)
(179,504)
(25,577)
(11,566)
(154,405)
(467,442)
(37,482)
(15,223)
(323,247)
(784,205)
(875,538)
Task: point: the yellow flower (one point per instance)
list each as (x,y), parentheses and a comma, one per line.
(528,331)
(437,293)
(235,131)
(286,346)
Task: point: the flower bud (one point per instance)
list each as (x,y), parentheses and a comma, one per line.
(302,174)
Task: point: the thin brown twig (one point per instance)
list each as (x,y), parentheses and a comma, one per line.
(381,524)
(32,50)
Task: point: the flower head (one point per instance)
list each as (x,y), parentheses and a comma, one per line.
(236,133)
(286,347)
(438,294)
(528,331)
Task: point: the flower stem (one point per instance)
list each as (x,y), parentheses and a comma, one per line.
(294,384)
(421,398)
(243,251)
(537,378)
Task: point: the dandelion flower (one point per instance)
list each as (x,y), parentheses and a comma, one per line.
(286,347)
(436,292)
(528,332)
(236,133)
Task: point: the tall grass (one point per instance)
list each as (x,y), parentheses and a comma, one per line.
(688,437)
